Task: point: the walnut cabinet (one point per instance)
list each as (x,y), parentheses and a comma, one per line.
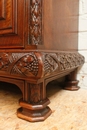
(38,44)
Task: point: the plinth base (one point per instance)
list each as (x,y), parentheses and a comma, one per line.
(34,113)
(34,116)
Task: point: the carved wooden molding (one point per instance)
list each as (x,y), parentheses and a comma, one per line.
(21,64)
(56,62)
(35,22)
(38,64)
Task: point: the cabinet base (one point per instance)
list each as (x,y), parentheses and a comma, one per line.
(31,71)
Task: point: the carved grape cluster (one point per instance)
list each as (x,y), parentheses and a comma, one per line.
(27,64)
(30,64)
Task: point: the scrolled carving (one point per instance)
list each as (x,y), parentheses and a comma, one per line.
(35,21)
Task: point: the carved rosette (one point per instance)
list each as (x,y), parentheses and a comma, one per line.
(35,22)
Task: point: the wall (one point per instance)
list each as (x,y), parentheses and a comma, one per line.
(82,74)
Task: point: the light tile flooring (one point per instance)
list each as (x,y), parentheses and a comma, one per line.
(69,110)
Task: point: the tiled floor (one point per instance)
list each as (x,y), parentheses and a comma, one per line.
(69,110)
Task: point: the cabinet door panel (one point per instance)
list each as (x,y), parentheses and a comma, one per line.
(11,24)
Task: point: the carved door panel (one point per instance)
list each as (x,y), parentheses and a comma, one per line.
(11,23)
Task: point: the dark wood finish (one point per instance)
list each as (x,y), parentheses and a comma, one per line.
(60,18)
(71,83)
(38,44)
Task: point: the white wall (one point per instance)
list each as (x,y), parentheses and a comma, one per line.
(82,74)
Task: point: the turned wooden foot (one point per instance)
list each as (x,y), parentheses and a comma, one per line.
(71,83)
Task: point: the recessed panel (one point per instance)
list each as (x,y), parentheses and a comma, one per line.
(2,4)
(12,16)
(8,21)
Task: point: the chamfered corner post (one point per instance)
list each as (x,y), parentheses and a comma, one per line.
(34,105)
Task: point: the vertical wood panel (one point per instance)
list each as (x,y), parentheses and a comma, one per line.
(60,28)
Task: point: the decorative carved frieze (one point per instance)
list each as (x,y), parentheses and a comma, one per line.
(35,22)
(24,64)
(38,64)
(56,62)
(70,60)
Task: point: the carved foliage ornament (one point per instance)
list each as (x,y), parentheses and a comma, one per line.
(56,62)
(33,64)
(27,64)
(24,64)
(35,21)
(70,60)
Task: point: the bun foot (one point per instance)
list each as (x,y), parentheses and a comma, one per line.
(71,85)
